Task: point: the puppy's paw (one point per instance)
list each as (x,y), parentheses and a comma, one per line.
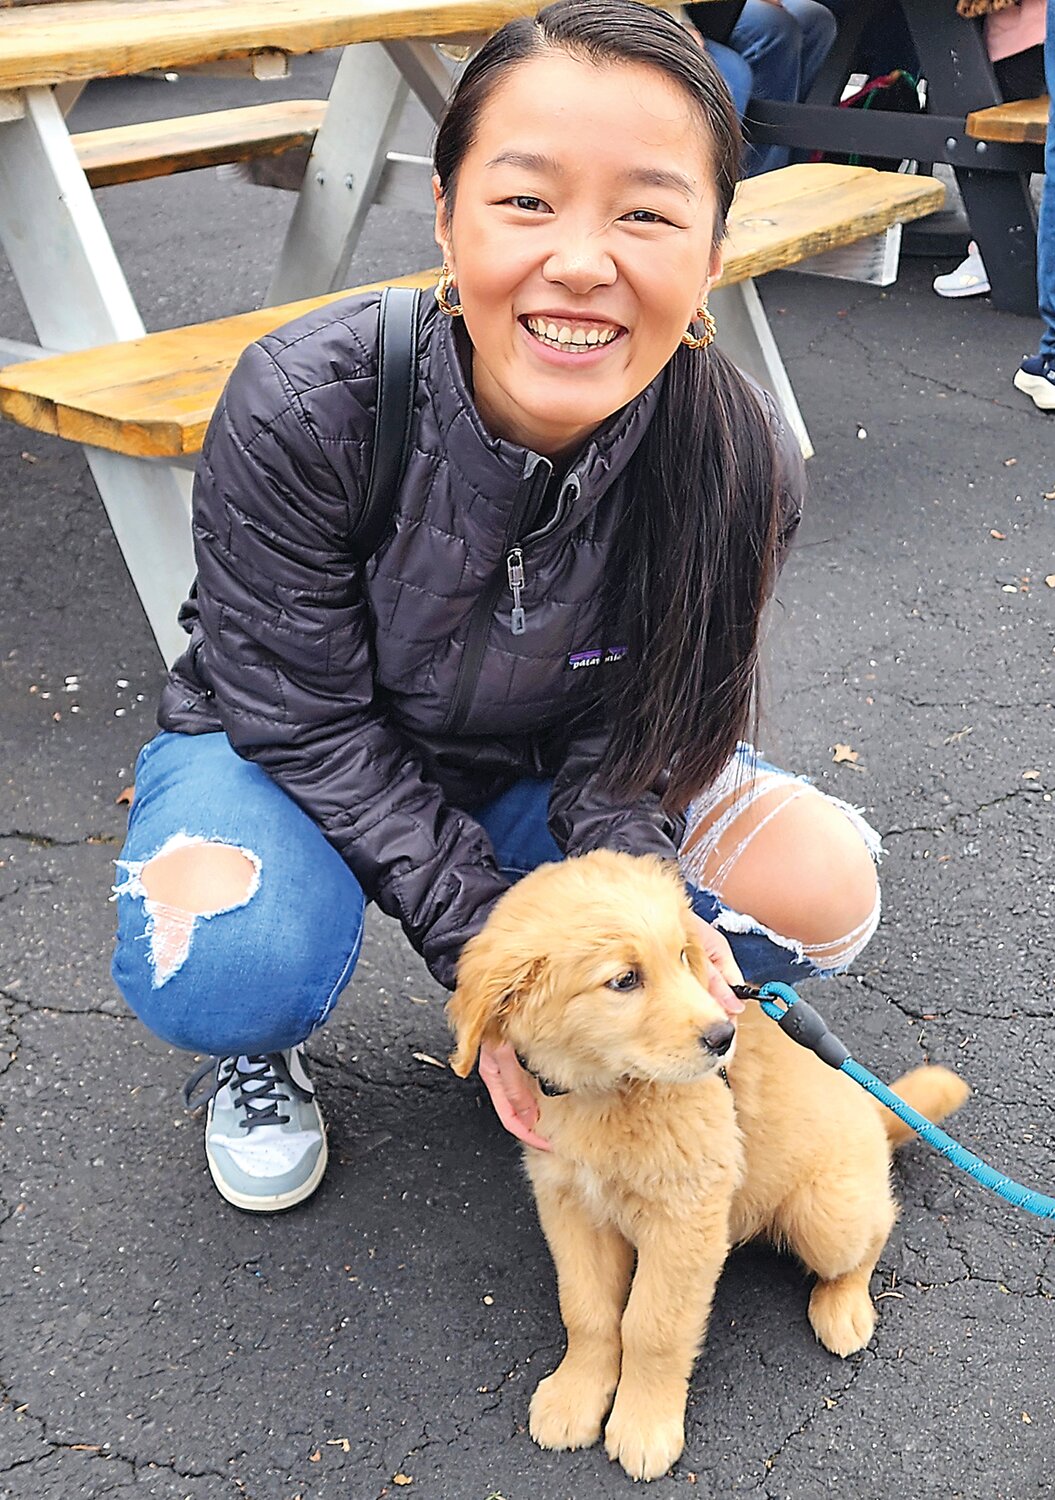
(842,1315)
(567,1411)
(645,1436)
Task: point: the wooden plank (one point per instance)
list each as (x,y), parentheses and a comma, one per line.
(48,44)
(153,396)
(783,217)
(159,148)
(1023,120)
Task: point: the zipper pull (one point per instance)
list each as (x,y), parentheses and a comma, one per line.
(515,574)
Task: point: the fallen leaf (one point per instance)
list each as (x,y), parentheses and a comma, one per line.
(402,1479)
(1027,1418)
(998,536)
(424,1057)
(843,753)
(339,1443)
(314,1458)
(1030,775)
(84,1447)
(125,796)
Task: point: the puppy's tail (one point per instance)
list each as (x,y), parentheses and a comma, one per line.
(935,1092)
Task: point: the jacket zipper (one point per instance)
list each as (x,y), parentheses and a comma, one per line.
(516,573)
(537,474)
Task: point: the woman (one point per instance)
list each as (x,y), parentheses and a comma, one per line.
(422,729)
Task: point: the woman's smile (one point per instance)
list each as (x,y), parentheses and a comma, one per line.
(570,338)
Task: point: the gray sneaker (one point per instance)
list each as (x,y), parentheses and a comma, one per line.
(265,1140)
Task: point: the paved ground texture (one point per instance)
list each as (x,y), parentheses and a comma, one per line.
(386,1339)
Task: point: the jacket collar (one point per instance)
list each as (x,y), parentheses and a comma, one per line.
(495,467)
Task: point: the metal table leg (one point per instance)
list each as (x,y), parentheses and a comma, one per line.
(76,295)
(344,168)
(745,336)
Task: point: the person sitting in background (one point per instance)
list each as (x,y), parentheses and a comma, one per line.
(1036,374)
(773,49)
(1014,38)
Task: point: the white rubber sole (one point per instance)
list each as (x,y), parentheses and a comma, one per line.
(980,290)
(274,1204)
(1040,391)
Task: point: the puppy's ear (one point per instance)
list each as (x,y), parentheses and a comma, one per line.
(490,982)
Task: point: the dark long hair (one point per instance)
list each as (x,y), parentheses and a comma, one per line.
(695,549)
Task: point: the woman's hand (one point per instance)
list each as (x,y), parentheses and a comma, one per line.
(513,1093)
(725,970)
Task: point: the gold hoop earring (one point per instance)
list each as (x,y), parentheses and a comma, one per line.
(444,287)
(710,328)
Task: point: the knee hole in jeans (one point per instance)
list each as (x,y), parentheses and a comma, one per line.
(781,851)
(190,878)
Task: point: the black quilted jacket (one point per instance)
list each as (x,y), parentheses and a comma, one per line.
(391,698)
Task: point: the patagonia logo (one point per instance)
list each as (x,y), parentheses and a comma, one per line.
(598,656)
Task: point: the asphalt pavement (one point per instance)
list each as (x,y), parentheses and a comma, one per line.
(385,1339)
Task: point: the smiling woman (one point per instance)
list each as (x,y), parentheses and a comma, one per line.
(551,648)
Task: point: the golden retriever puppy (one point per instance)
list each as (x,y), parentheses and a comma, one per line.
(591,970)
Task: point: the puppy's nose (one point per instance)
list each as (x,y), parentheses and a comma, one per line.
(719,1039)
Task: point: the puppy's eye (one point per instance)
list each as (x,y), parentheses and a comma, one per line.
(628,981)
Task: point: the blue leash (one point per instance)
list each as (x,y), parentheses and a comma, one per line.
(802,1023)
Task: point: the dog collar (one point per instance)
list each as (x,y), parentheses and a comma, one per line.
(552,1092)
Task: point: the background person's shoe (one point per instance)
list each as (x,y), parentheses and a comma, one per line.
(265,1141)
(970,279)
(1036,376)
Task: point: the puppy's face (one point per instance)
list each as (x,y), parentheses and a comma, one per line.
(590,968)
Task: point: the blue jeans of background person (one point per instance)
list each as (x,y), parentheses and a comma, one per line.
(1046,230)
(784,45)
(736,72)
(262,974)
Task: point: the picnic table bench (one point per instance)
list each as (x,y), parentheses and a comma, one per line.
(992,170)
(1023,120)
(140,402)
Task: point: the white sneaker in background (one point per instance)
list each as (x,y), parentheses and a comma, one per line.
(968,280)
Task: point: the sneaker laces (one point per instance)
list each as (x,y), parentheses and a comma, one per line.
(258,1085)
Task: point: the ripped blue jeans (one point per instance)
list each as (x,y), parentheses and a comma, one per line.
(261,975)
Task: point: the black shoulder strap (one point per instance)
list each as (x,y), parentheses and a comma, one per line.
(397,351)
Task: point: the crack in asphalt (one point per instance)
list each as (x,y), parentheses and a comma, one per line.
(49,841)
(92,1451)
(808,1421)
(877,353)
(956,817)
(42,882)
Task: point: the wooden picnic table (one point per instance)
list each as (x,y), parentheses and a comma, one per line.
(992,175)
(67,270)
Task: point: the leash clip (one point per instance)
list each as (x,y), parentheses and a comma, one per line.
(798,1020)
